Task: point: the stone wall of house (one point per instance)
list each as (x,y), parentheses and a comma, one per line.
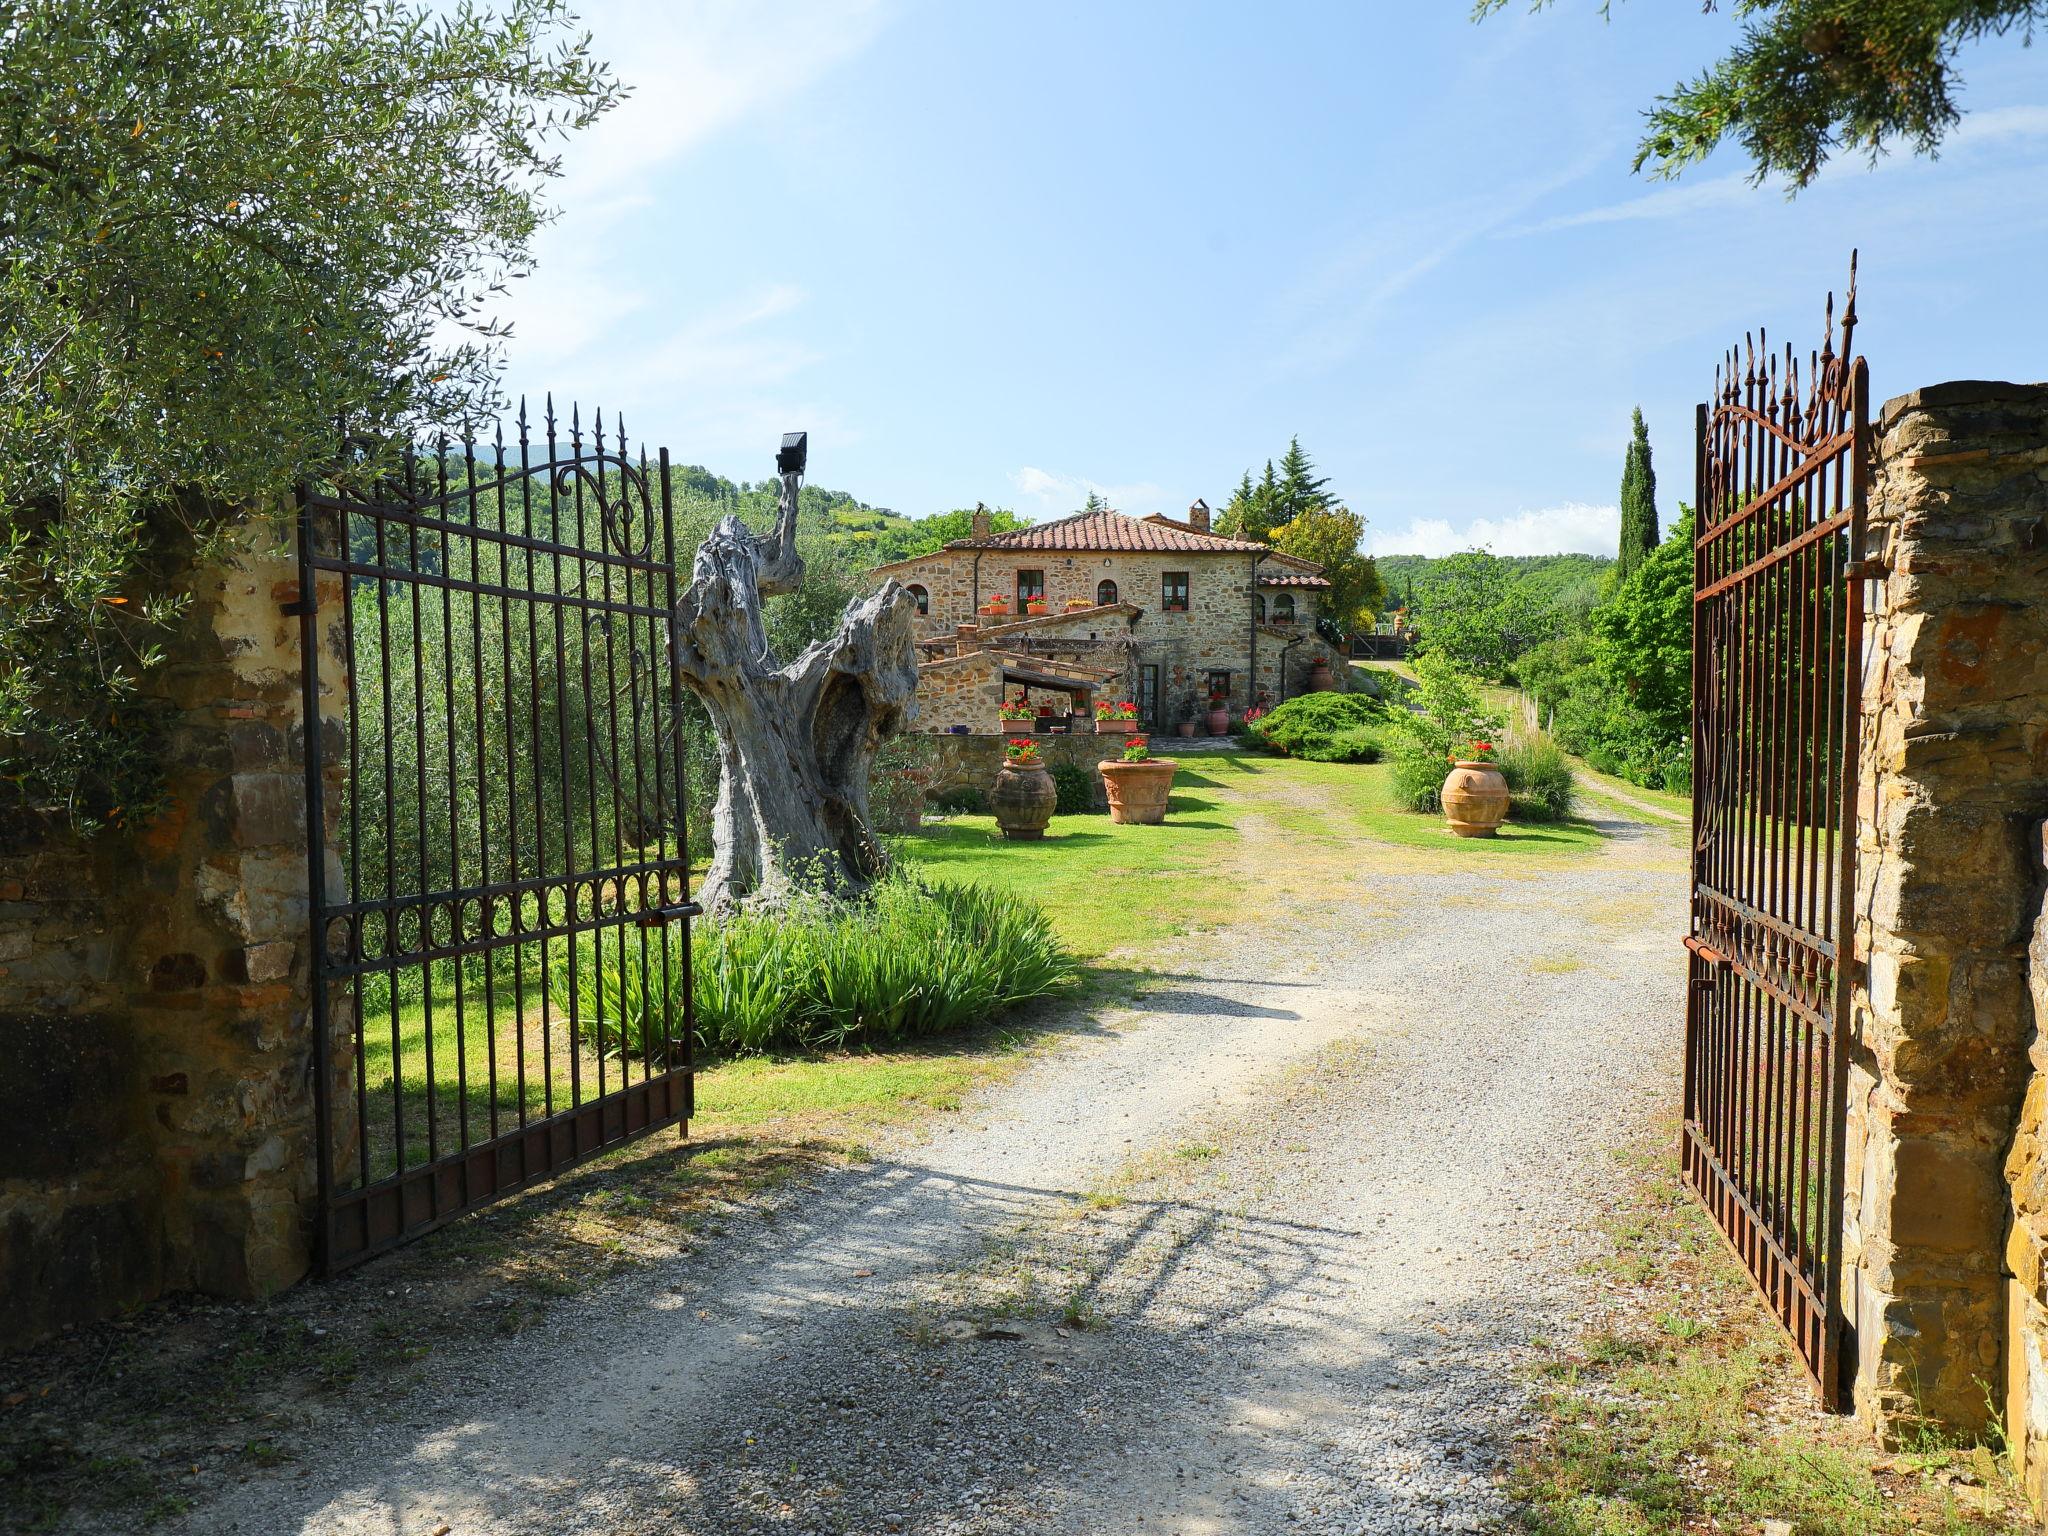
(1954,781)
(2025,1398)
(960,691)
(155,1082)
(1214,635)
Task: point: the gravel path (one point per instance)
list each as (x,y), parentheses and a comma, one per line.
(1263,1255)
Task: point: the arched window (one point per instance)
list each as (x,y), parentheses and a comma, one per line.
(1283,608)
(924,600)
(1105,593)
(1259,606)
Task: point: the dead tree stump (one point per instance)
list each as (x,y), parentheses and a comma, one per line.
(795,742)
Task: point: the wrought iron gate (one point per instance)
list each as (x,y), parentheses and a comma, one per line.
(1777,647)
(503,943)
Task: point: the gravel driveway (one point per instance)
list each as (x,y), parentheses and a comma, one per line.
(1265,1254)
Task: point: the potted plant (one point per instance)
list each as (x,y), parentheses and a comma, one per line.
(1017,709)
(1475,795)
(1023,796)
(1113,718)
(1137,784)
(1186,725)
(1034,606)
(1076,604)
(1319,678)
(997,606)
(1219,715)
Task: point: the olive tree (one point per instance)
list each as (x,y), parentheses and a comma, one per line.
(225,227)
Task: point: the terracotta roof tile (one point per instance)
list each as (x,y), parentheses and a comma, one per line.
(1292,580)
(1111,532)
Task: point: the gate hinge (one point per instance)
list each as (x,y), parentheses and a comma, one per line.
(299,607)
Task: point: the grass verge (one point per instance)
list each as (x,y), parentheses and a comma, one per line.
(1683,1410)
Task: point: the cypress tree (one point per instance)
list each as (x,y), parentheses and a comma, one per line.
(1639,533)
(1301,489)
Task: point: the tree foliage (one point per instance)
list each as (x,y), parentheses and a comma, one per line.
(1477,615)
(1619,692)
(226,225)
(1638,501)
(1810,77)
(1280,496)
(1330,536)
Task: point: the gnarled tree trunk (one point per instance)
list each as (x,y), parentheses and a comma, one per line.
(794,742)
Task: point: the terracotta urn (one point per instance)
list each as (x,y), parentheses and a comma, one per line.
(1022,799)
(1475,799)
(1219,722)
(1319,678)
(1138,791)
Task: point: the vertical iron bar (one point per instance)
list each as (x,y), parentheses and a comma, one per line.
(516,860)
(574,957)
(316,885)
(487,905)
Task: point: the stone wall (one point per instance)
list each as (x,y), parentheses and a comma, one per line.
(2025,1399)
(155,1084)
(970,762)
(1954,779)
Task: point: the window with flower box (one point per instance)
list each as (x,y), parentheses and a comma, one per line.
(1173,591)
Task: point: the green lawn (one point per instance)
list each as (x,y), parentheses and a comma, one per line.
(1113,893)
(1103,885)
(1363,799)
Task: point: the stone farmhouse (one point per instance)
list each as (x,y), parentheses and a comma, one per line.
(1156,610)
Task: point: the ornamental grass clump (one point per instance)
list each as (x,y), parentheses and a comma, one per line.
(911,959)
(1540,783)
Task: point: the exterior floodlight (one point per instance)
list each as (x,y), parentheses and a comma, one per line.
(790,459)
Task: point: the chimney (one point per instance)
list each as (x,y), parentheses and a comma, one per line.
(981,524)
(1198,516)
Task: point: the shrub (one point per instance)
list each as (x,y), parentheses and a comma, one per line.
(1321,727)
(912,958)
(961,799)
(897,781)
(1419,778)
(1074,790)
(1540,784)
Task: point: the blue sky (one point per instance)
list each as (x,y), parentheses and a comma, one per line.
(1013,253)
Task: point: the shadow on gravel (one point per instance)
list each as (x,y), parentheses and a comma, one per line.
(909,1349)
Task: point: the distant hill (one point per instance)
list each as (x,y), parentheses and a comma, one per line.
(1559,583)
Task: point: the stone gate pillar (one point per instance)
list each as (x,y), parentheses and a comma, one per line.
(1954,780)
(155,1037)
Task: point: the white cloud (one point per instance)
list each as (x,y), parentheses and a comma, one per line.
(1334,311)
(1043,493)
(711,363)
(701,65)
(1997,125)
(1576,526)
(1666,203)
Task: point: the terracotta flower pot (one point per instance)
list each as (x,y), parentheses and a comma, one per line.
(1115,727)
(1219,722)
(1319,678)
(1185,728)
(1138,791)
(1023,799)
(1475,799)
